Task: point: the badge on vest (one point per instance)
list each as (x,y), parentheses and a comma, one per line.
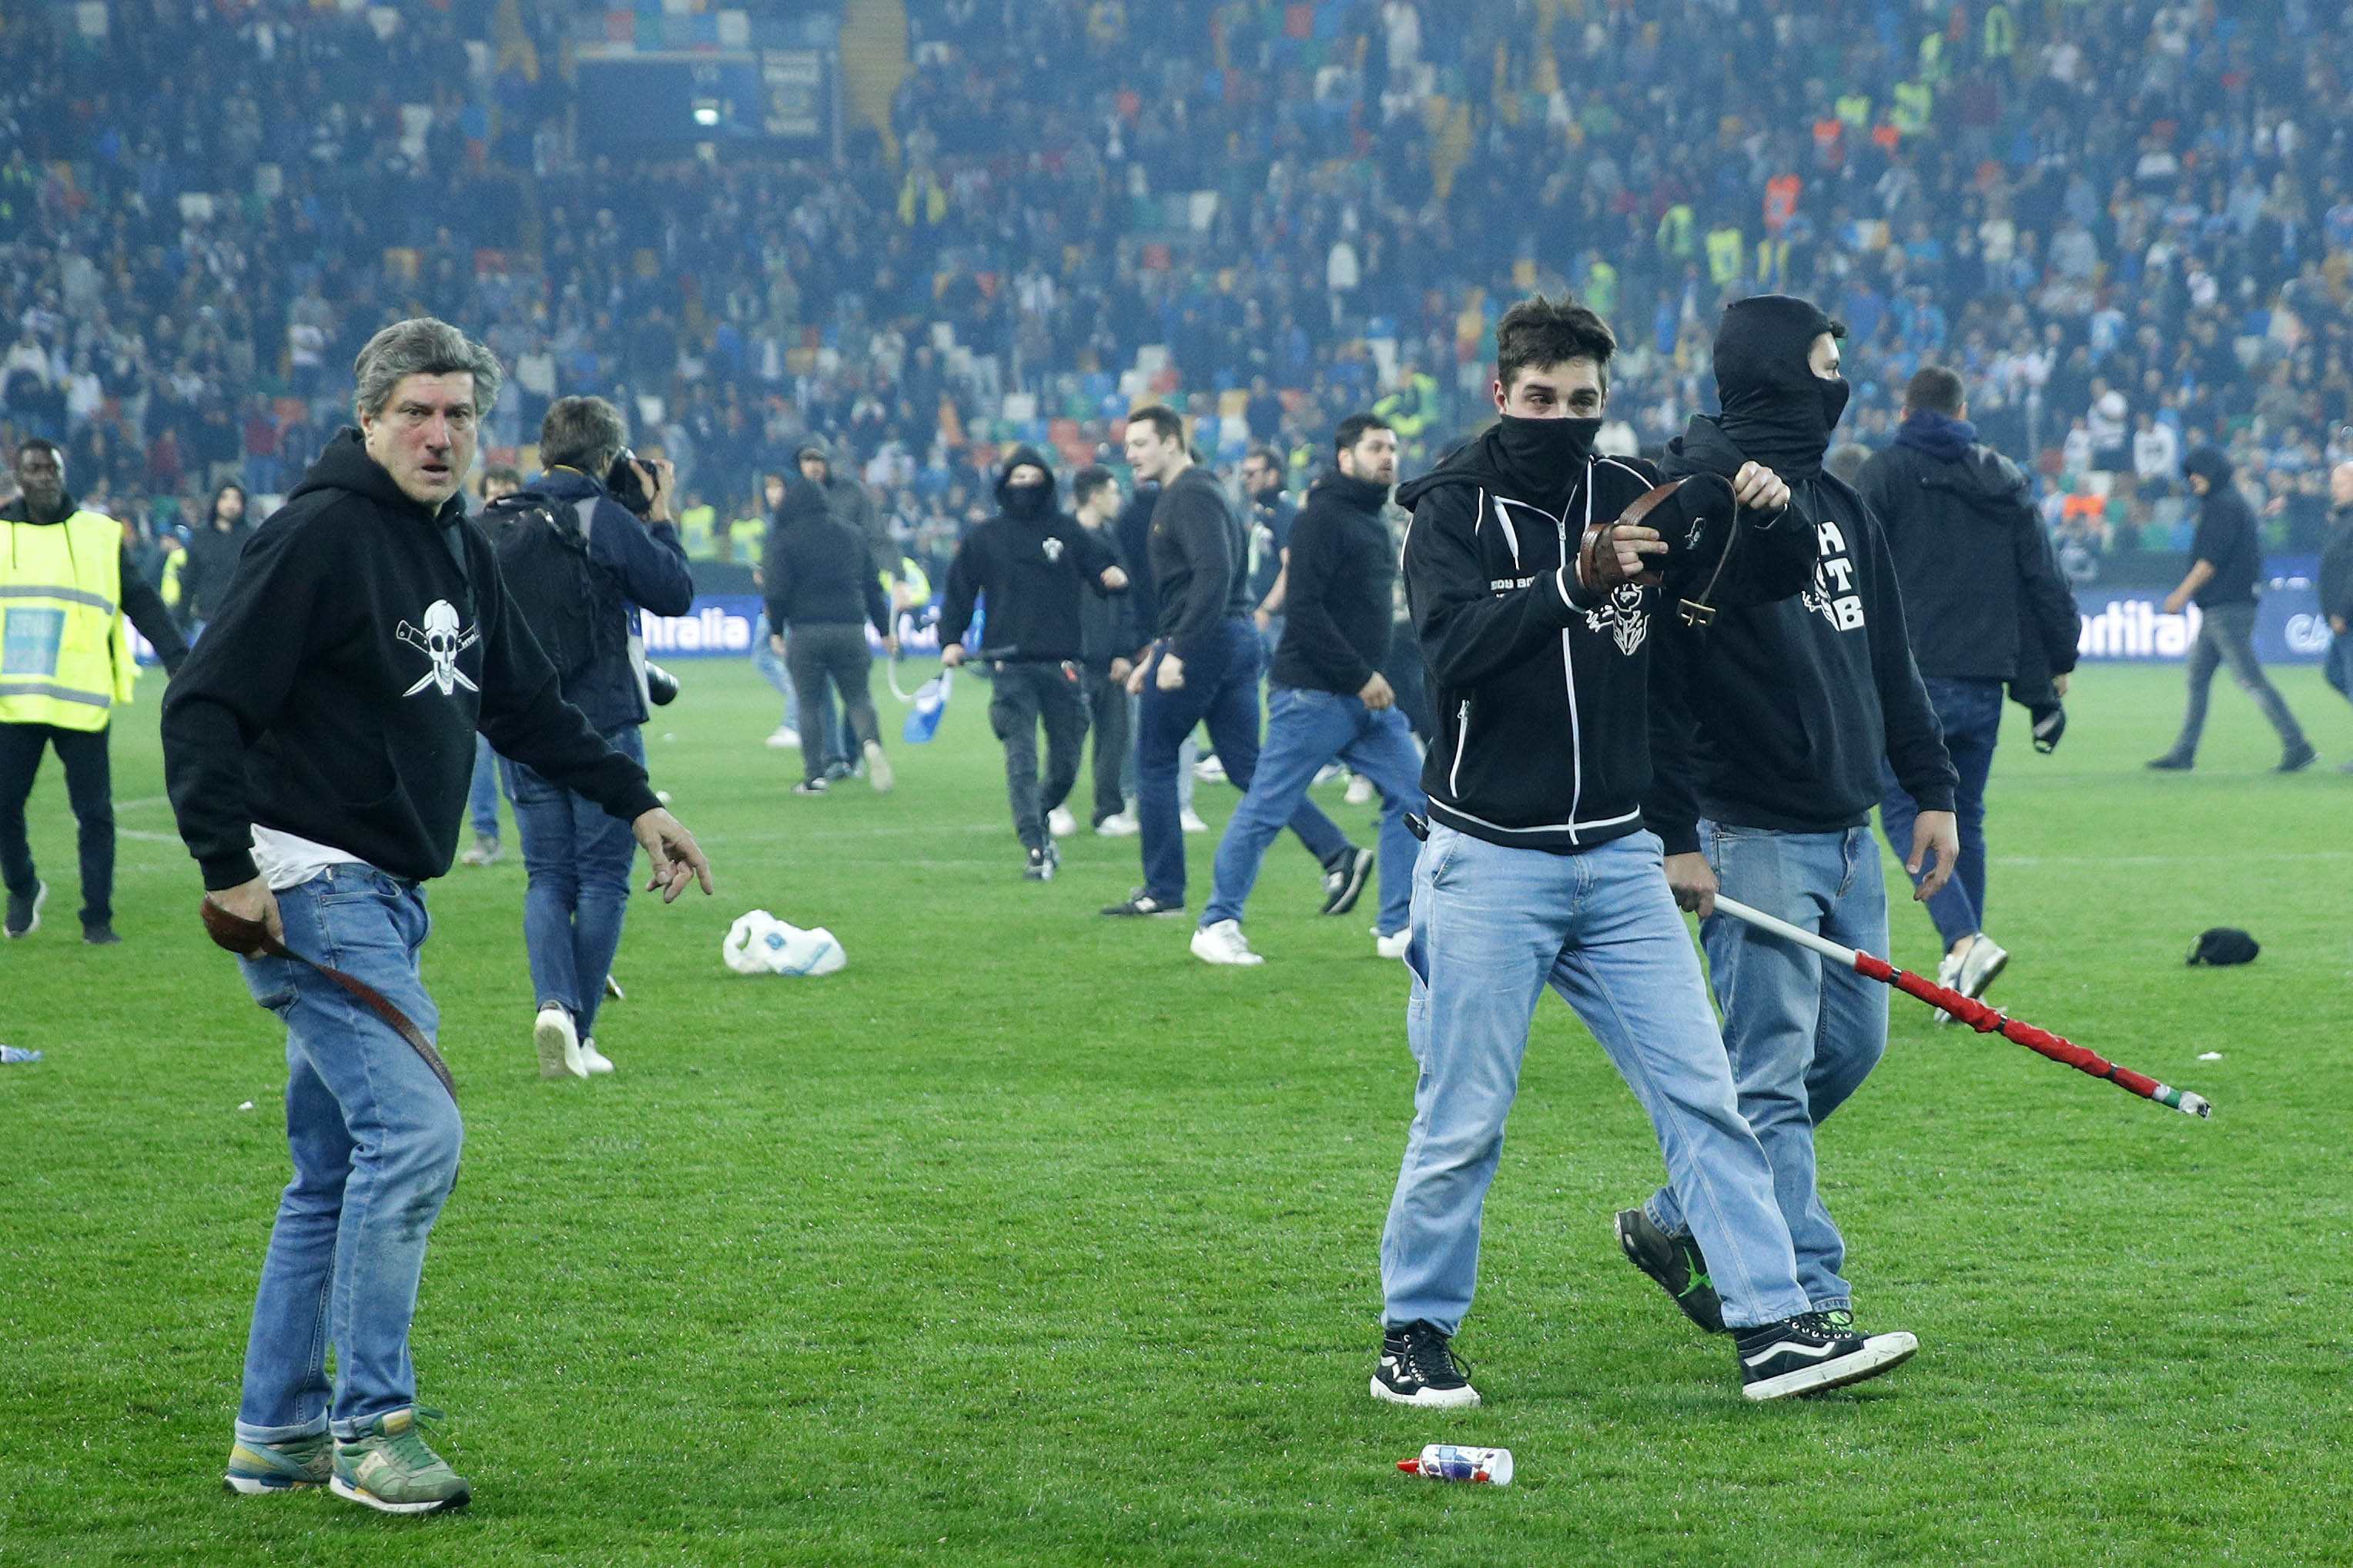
(30,641)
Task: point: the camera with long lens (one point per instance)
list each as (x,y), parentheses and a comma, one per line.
(622,483)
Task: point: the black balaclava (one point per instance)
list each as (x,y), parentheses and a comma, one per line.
(1776,409)
(1027,503)
(1545,457)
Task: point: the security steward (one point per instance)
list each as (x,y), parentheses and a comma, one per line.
(66,587)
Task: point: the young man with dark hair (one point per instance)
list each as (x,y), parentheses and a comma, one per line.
(1984,602)
(66,586)
(1328,700)
(2226,563)
(1036,565)
(316,747)
(1535,608)
(1272,516)
(1771,723)
(1203,668)
(1107,634)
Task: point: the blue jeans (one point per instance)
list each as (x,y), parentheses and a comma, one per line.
(482,795)
(1491,927)
(1220,691)
(771,666)
(1188,754)
(376,1140)
(1802,1035)
(1304,730)
(1971,711)
(578,862)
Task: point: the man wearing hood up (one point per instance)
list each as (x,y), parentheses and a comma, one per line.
(1773,721)
(1537,614)
(2227,558)
(1033,562)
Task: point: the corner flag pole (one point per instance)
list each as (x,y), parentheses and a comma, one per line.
(1985,1020)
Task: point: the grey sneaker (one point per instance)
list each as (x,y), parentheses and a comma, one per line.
(25,914)
(485,850)
(289,1467)
(390,1470)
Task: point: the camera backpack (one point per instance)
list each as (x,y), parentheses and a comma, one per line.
(567,600)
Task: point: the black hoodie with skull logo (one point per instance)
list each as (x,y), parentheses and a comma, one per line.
(1776,716)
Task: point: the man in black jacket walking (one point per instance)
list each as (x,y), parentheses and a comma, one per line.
(820,576)
(2337,585)
(1536,611)
(213,551)
(1036,565)
(1328,700)
(1772,723)
(2227,560)
(1203,667)
(318,745)
(1984,602)
(1108,635)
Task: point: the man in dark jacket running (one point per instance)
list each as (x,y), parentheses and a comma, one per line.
(318,745)
(1985,602)
(820,576)
(1535,610)
(2227,562)
(1771,723)
(1036,565)
(576,856)
(1328,700)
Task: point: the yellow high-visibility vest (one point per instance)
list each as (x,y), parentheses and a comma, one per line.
(64,654)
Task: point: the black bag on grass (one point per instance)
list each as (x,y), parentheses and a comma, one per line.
(2224,944)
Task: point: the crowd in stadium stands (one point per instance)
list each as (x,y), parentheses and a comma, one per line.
(2130,224)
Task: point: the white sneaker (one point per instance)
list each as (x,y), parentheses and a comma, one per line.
(1061,823)
(1360,791)
(1191,821)
(558,1043)
(1328,774)
(784,737)
(1981,967)
(1223,943)
(878,768)
(592,1058)
(1393,945)
(1948,975)
(1210,769)
(1121,825)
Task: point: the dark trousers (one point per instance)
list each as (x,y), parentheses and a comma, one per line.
(812,653)
(1971,711)
(1107,705)
(1024,694)
(1220,691)
(2338,667)
(2226,635)
(89,788)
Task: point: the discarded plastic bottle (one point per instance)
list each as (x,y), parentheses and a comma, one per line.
(1447,1462)
(10,1055)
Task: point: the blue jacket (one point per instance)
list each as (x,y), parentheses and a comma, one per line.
(649,563)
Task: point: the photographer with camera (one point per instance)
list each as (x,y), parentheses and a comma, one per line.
(580,547)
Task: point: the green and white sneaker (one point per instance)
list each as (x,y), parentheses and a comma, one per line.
(287,1466)
(389,1469)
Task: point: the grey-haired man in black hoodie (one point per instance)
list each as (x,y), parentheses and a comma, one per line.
(1770,722)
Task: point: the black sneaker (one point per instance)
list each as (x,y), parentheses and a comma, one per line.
(100,935)
(809,787)
(1043,864)
(1419,1366)
(1813,1351)
(25,914)
(1140,902)
(1673,1261)
(2298,757)
(2171,763)
(1343,880)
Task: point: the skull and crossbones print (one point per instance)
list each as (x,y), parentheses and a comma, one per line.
(441,641)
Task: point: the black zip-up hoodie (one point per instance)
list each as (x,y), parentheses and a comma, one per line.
(1777,715)
(1036,565)
(1543,701)
(1201,560)
(337,691)
(1336,612)
(818,571)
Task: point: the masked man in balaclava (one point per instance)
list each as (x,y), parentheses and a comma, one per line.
(1770,723)
(1535,608)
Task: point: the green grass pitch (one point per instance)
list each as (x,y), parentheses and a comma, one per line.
(1030,1239)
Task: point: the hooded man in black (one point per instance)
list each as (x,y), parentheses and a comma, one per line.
(2337,585)
(1536,611)
(1034,562)
(1771,722)
(821,580)
(2227,562)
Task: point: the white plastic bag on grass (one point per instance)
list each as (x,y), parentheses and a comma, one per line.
(760,943)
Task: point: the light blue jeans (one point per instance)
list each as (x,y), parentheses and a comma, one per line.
(376,1140)
(1305,731)
(1802,1035)
(577,862)
(482,795)
(1491,927)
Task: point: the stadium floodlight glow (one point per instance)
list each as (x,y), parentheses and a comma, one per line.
(706,111)
(1985,1020)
